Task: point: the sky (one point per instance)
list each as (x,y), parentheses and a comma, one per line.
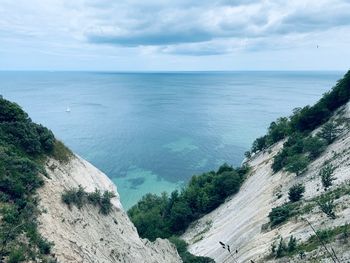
(174,35)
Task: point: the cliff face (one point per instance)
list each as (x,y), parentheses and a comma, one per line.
(85,235)
(242,220)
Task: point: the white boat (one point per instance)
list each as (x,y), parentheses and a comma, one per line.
(68,109)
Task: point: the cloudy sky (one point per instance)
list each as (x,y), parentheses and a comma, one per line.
(138,35)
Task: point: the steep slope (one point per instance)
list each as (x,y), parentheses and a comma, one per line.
(85,235)
(242,221)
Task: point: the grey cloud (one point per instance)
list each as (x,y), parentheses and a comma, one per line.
(168,24)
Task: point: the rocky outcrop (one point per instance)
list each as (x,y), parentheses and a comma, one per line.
(242,220)
(85,235)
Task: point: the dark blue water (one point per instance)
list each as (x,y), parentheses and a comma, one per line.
(150,132)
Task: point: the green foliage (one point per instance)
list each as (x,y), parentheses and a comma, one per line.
(326,236)
(60,152)
(282,213)
(74,196)
(314,146)
(297,164)
(327,177)
(300,124)
(327,206)
(22,143)
(283,249)
(78,197)
(16,255)
(296,192)
(292,244)
(187,257)
(329,132)
(163,216)
(259,144)
(293,156)
(280,252)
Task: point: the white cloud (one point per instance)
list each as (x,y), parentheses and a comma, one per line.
(166,27)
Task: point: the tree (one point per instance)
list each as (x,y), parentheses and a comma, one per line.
(315,146)
(259,144)
(297,164)
(327,176)
(330,131)
(296,192)
(278,130)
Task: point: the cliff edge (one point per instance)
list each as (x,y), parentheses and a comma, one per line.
(243,220)
(86,235)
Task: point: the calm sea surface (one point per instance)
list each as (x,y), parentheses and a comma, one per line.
(149,132)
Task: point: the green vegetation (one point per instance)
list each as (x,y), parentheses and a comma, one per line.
(329,132)
(321,237)
(297,164)
(282,213)
(78,197)
(325,202)
(327,176)
(284,249)
(187,257)
(22,144)
(301,147)
(296,192)
(165,216)
(327,206)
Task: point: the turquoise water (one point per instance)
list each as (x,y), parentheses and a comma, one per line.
(150,132)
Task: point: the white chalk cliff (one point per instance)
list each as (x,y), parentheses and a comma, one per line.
(240,221)
(85,235)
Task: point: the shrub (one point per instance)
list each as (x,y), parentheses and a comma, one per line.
(297,164)
(329,132)
(105,202)
(292,244)
(259,144)
(74,196)
(327,206)
(16,255)
(315,146)
(281,213)
(296,192)
(280,252)
(78,197)
(327,176)
(94,197)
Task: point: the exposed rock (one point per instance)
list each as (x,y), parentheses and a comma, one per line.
(241,220)
(85,235)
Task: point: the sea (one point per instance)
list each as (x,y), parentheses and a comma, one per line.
(151,131)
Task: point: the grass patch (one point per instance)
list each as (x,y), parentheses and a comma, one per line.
(61,153)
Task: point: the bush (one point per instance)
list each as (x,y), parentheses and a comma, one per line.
(74,196)
(105,202)
(296,192)
(297,164)
(315,146)
(327,206)
(78,197)
(292,244)
(281,213)
(327,176)
(16,255)
(329,132)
